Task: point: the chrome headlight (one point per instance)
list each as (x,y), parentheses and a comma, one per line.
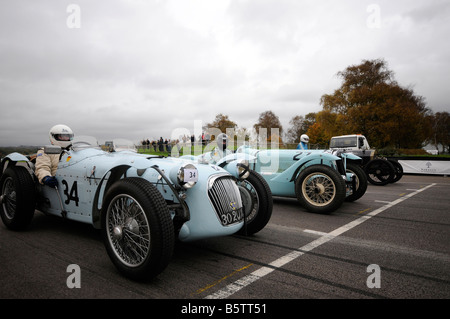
(187,176)
(243,170)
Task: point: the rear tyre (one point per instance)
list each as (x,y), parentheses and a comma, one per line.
(18,198)
(320,189)
(398,169)
(137,229)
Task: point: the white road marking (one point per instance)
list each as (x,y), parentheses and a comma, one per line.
(280,262)
(382,201)
(315,232)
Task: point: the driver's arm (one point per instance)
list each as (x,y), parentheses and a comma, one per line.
(46,165)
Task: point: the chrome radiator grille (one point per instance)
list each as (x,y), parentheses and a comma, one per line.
(226,199)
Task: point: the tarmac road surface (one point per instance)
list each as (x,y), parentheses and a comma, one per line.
(394,242)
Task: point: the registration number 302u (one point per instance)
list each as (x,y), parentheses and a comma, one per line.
(232,217)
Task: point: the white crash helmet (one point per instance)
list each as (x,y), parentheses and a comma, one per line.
(61,135)
(222,141)
(304,138)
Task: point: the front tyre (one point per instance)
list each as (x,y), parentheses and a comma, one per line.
(137,229)
(17,198)
(320,189)
(360,182)
(379,172)
(257,201)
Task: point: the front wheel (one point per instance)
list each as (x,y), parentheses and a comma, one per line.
(257,201)
(320,189)
(17,198)
(360,182)
(137,229)
(379,172)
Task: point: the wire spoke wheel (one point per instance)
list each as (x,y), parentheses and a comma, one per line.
(128,230)
(9,198)
(137,228)
(318,189)
(17,198)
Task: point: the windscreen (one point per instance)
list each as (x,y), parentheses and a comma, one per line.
(83,142)
(343,142)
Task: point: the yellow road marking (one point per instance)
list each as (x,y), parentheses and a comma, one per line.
(363,211)
(220,280)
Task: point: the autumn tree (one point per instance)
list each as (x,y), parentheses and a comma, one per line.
(440,130)
(317,136)
(220,125)
(296,129)
(310,119)
(269,127)
(372,103)
(299,126)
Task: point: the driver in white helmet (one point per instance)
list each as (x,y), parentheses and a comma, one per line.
(304,140)
(46,164)
(219,151)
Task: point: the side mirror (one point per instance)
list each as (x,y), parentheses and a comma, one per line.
(52,149)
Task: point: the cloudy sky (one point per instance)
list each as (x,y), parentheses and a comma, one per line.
(144,68)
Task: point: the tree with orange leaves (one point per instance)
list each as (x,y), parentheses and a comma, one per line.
(372,103)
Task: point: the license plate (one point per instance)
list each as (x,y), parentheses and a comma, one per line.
(232,217)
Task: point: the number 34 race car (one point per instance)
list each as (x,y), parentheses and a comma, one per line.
(141,203)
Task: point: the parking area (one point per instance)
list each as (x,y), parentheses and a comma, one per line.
(391,243)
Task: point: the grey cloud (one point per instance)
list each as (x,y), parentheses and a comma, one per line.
(139,69)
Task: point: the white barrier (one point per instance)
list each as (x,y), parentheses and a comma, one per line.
(425,167)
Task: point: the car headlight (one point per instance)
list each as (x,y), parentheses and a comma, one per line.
(187,176)
(243,170)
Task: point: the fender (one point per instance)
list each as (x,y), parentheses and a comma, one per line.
(235,157)
(306,161)
(351,156)
(233,163)
(137,167)
(110,176)
(14,158)
(115,174)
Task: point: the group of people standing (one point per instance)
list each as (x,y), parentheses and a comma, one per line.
(166,145)
(160,145)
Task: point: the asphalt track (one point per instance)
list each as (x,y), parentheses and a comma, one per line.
(392,243)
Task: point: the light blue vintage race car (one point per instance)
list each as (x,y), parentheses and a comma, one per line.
(141,203)
(320,179)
